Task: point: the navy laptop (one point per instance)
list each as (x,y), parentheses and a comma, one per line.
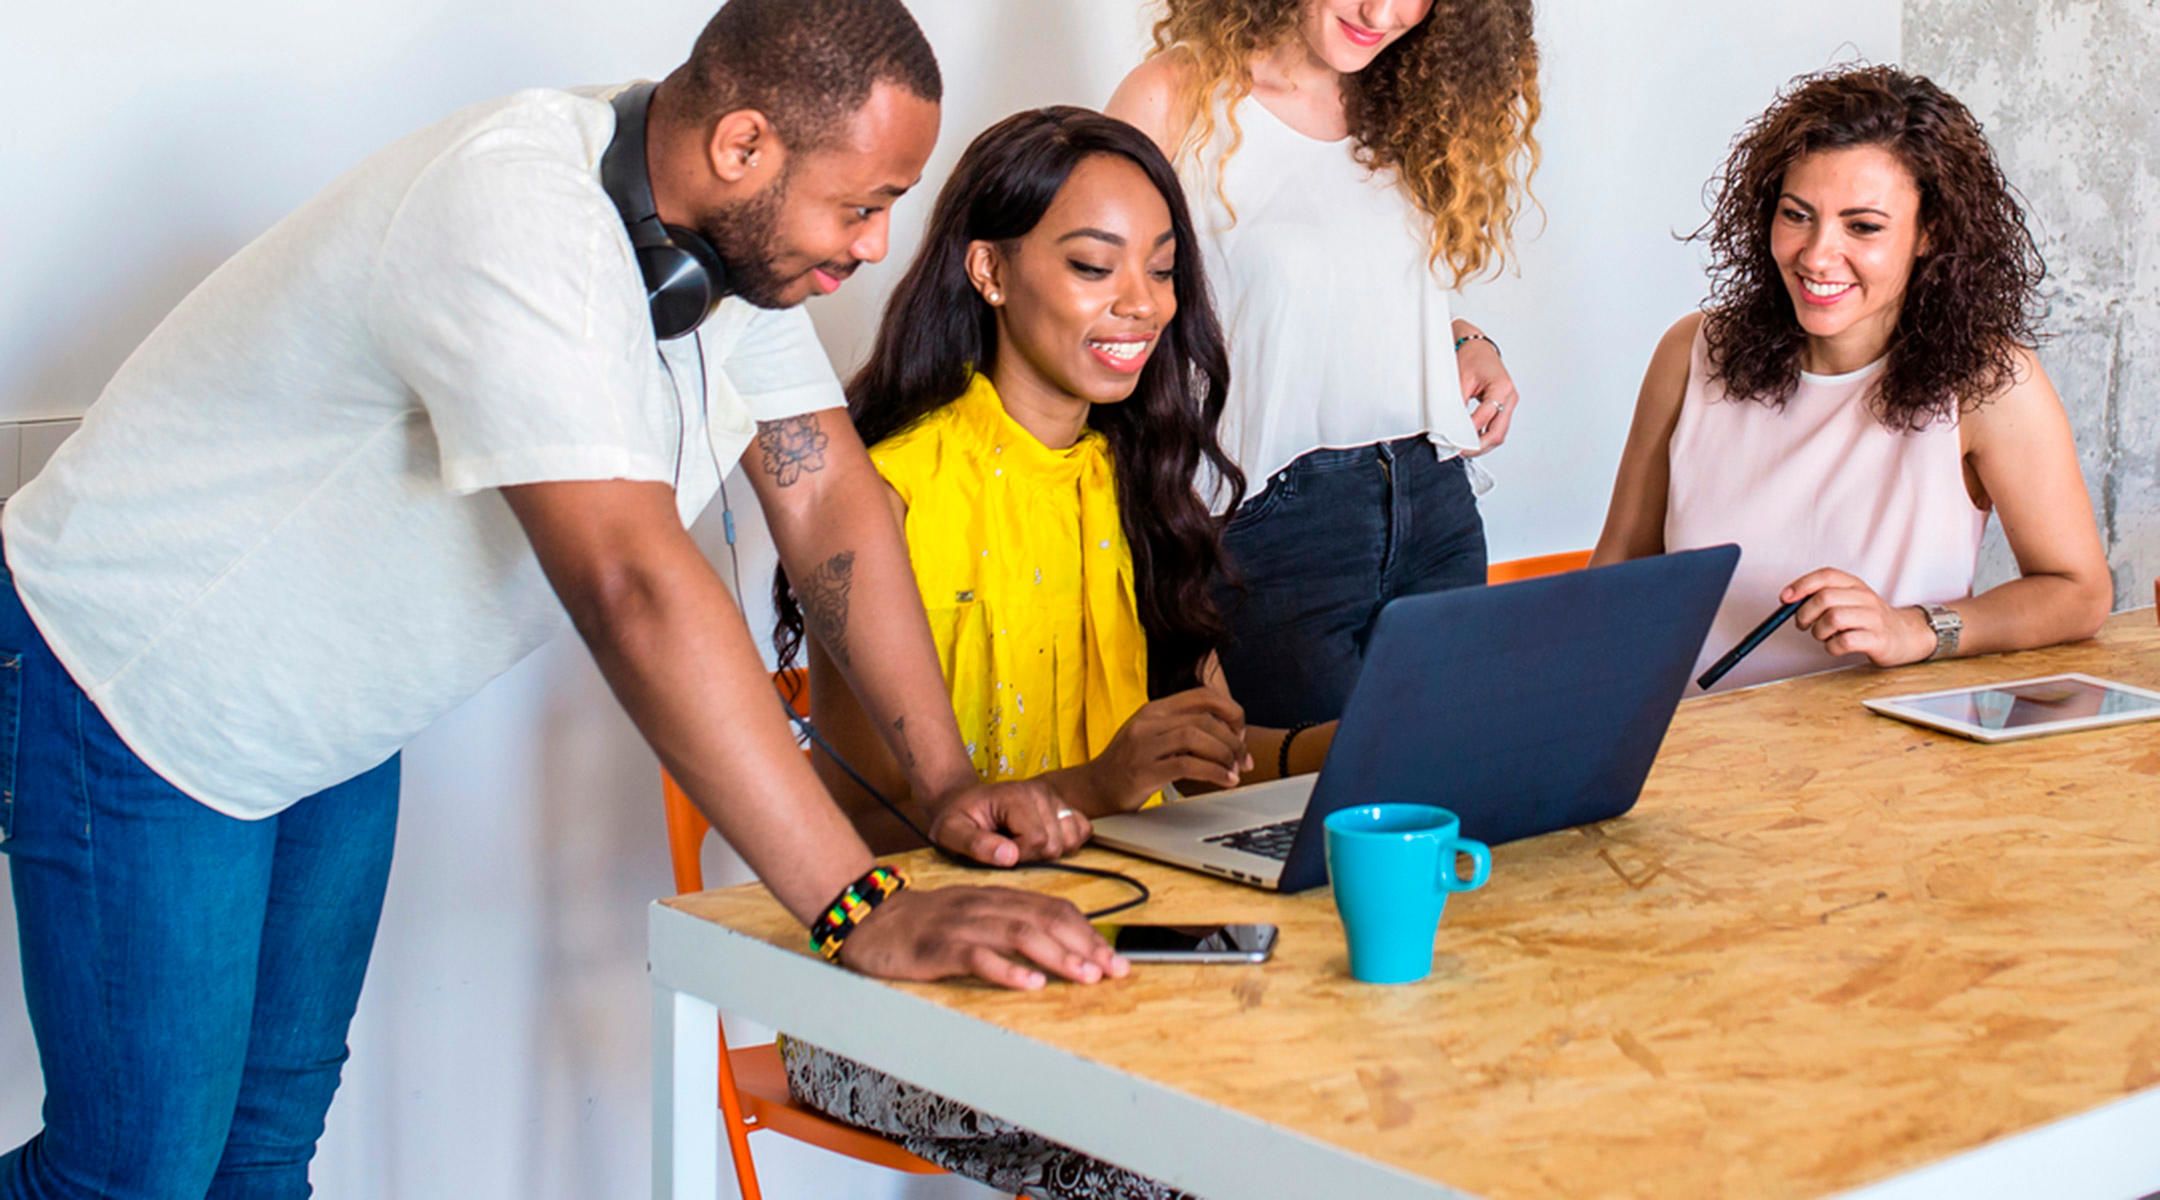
(1524,708)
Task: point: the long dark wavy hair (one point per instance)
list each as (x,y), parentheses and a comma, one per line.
(1973,300)
(938,332)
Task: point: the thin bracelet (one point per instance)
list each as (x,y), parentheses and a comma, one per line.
(1477,337)
(847,910)
(1282,755)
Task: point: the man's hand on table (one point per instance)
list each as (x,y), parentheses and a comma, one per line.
(1011,938)
(993,933)
(1006,824)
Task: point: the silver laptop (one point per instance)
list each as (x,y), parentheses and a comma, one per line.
(1524,708)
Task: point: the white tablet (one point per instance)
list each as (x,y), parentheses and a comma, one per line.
(2022,708)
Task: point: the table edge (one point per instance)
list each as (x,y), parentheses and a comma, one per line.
(1139,1124)
(2082,1154)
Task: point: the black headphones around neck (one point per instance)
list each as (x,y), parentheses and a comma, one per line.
(684,277)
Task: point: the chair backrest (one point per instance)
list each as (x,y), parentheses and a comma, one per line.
(1533,567)
(686,826)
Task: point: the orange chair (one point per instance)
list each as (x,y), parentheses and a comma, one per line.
(1531,568)
(753,1083)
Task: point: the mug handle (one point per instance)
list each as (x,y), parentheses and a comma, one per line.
(1480,870)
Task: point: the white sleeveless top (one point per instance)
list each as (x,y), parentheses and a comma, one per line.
(1818,483)
(1339,332)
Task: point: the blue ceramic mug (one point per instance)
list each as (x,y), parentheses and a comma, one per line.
(1393,866)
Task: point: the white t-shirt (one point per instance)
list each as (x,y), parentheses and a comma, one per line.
(273,552)
(1339,330)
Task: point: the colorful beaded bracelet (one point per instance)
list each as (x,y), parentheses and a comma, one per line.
(848,911)
(1476,337)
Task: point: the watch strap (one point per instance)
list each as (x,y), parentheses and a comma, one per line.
(1947,626)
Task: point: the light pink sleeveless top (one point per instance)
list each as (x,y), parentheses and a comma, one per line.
(1818,483)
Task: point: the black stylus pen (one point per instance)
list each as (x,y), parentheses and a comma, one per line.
(1747,645)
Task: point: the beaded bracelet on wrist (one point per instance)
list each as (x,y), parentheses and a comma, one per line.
(1282,753)
(1476,337)
(848,909)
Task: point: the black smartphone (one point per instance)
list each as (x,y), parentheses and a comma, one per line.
(1191,943)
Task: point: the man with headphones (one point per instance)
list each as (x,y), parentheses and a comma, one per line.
(487,376)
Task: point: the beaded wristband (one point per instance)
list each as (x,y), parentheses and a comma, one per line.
(1282,754)
(848,910)
(1476,337)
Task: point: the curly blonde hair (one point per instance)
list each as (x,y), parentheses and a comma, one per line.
(1450,107)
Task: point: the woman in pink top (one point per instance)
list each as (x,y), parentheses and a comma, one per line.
(1861,392)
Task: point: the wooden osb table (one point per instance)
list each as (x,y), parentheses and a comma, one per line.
(1825,951)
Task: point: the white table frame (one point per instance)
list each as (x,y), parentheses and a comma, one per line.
(699,968)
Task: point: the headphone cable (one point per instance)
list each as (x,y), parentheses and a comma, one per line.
(1141,895)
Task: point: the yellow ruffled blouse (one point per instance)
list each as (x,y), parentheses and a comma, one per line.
(1028,581)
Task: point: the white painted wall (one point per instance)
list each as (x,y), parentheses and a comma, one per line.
(500,1048)
(1641,100)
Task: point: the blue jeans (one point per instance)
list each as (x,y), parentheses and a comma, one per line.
(1330,540)
(190,976)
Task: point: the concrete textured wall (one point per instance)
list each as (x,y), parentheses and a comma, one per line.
(2069,91)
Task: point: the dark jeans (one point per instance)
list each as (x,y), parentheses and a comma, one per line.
(1334,537)
(190,976)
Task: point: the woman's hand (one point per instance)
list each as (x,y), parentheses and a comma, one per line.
(1843,613)
(1486,379)
(1197,734)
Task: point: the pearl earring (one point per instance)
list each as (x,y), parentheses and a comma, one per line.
(996,297)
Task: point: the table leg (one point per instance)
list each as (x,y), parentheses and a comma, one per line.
(685,1108)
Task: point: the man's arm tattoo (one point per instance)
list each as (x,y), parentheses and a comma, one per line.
(907,750)
(824,599)
(791,448)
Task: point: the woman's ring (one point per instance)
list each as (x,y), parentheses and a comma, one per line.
(1064,813)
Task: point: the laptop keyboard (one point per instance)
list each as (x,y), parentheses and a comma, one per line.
(1267,841)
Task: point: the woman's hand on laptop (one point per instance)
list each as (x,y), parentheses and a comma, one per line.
(1011,938)
(1197,735)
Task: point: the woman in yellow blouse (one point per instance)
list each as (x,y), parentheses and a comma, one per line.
(1044,386)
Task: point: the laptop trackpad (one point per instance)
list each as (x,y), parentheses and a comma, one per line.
(1255,804)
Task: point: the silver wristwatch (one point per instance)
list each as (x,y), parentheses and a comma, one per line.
(1947,626)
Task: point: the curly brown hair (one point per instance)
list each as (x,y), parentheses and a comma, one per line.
(1450,107)
(1973,300)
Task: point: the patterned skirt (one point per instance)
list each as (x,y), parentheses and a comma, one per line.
(958,1138)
